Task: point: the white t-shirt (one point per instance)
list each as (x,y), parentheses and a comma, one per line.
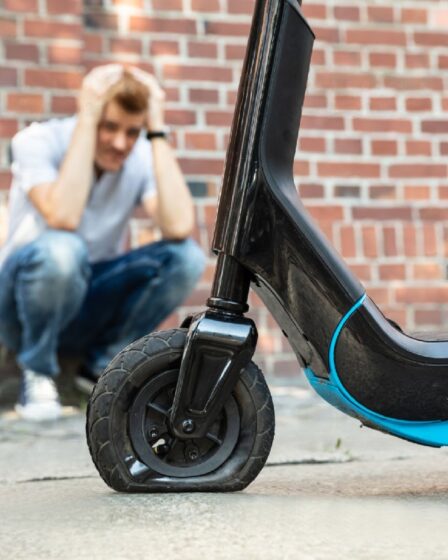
(38,152)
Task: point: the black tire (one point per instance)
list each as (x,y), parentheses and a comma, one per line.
(244,431)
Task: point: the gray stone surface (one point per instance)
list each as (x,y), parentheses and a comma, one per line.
(330,490)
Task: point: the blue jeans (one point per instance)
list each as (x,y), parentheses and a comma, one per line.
(52,299)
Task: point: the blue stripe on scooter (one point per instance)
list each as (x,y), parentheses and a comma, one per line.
(426,432)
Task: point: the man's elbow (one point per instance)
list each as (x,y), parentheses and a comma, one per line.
(178,232)
(67,223)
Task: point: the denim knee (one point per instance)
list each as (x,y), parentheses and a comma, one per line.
(187,260)
(56,265)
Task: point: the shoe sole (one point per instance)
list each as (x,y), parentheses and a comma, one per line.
(38,413)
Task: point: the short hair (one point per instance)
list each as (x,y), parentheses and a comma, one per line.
(130,94)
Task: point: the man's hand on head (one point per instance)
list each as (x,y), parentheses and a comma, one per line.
(156,101)
(95,87)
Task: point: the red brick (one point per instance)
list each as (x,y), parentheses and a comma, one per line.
(347,58)
(164,48)
(25,103)
(128,46)
(21,51)
(8,127)
(301,168)
(434,213)
(64,8)
(431,39)
(345,80)
(348,241)
(418,148)
(315,101)
(376,37)
(390,241)
(429,240)
(240,6)
(310,144)
(327,34)
(26,6)
(8,76)
(348,146)
(392,272)
(100,21)
(326,213)
(414,15)
(428,317)
(235,52)
(204,95)
(205,5)
(422,82)
(314,11)
(63,104)
(369,241)
(382,192)
(227,29)
(219,118)
(383,104)
(200,141)
(419,104)
(167,5)
(197,73)
(8,28)
(409,240)
(383,59)
(348,102)
(49,28)
(443,192)
(427,271)
(407,171)
(347,13)
(435,126)
(416,192)
(443,62)
(384,147)
(417,60)
(180,117)
(380,14)
(5,179)
(53,79)
(348,169)
(202,49)
(444,148)
(310,122)
(382,213)
(58,54)
(412,295)
(362,271)
(201,166)
(311,190)
(92,43)
(382,125)
(142,24)
(318,57)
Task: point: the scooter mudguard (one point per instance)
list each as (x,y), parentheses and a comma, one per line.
(352,355)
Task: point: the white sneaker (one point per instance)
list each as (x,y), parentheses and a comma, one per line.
(39,399)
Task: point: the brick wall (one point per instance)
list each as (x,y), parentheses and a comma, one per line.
(373,154)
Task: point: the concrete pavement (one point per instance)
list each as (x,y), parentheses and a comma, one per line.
(329,490)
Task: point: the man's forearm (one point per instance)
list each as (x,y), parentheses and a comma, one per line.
(69,193)
(175,211)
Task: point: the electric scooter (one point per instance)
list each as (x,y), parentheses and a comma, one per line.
(186,409)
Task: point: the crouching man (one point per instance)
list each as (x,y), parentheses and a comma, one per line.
(66,282)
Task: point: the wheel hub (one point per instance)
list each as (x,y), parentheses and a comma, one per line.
(161,450)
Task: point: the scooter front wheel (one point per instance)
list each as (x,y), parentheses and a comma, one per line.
(129,435)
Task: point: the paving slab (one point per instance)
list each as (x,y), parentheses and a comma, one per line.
(330,490)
